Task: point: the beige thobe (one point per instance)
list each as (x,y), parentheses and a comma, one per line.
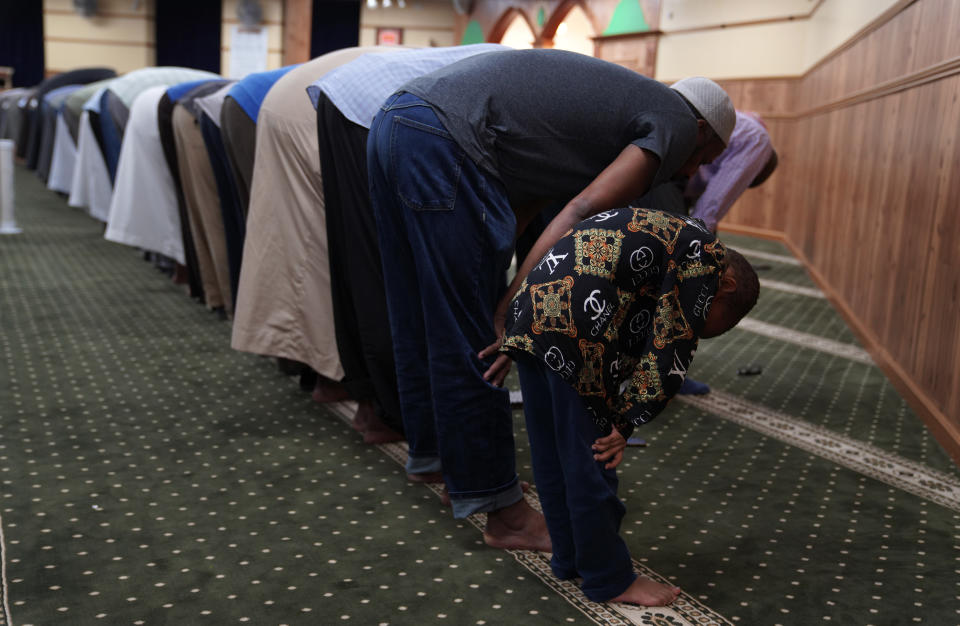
(283,302)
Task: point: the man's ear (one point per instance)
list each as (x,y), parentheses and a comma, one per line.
(702,131)
(728,282)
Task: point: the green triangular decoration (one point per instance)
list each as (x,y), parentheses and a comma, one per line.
(541,17)
(473,34)
(627,18)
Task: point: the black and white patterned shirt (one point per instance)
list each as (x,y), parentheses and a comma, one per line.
(616,308)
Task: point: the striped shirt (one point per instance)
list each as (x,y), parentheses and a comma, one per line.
(358,88)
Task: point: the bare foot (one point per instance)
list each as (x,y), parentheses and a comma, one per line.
(517,527)
(427,477)
(289,367)
(180,275)
(647,592)
(327,390)
(365,413)
(386,434)
(374,429)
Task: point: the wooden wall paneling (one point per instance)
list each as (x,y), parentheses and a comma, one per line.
(938,344)
(875,161)
(805,96)
(779,188)
(635,52)
(771,97)
(763,207)
(927,145)
(935,44)
(734,89)
(895,315)
(817,152)
(947,287)
(909,54)
(834,214)
(916,39)
(874,60)
(848,143)
(812,152)
(875,246)
(794,203)
(887,160)
(936,313)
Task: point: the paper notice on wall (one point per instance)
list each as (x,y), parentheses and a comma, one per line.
(248,51)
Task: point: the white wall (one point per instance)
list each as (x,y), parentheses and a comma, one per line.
(748,51)
(119,36)
(676,14)
(787,48)
(835,22)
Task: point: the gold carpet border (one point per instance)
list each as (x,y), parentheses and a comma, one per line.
(769,256)
(685,611)
(806,340)
(858,456)
(777,285)
(5,618)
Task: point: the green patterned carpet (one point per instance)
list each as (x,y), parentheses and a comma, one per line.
(151,475)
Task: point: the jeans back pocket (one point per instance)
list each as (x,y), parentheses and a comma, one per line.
(426,164)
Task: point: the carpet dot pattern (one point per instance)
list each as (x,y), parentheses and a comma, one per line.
(149,474)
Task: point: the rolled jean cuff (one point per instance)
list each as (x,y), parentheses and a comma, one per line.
(610,590)
(423,464)
(462,507)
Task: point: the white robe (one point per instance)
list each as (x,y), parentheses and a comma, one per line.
(64,159)
(143,212)
(90,188)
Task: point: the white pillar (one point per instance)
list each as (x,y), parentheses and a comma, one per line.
(8,224)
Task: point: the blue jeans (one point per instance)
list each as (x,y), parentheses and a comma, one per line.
(446,236)
(578,496)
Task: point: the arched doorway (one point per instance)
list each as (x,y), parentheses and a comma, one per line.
(516,30)
(575,33)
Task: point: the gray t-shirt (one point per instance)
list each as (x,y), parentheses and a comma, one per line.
(546,122)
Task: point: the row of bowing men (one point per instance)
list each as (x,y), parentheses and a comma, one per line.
(251,193)
(385,286)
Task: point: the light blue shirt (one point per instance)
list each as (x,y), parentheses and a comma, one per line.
(359,87)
